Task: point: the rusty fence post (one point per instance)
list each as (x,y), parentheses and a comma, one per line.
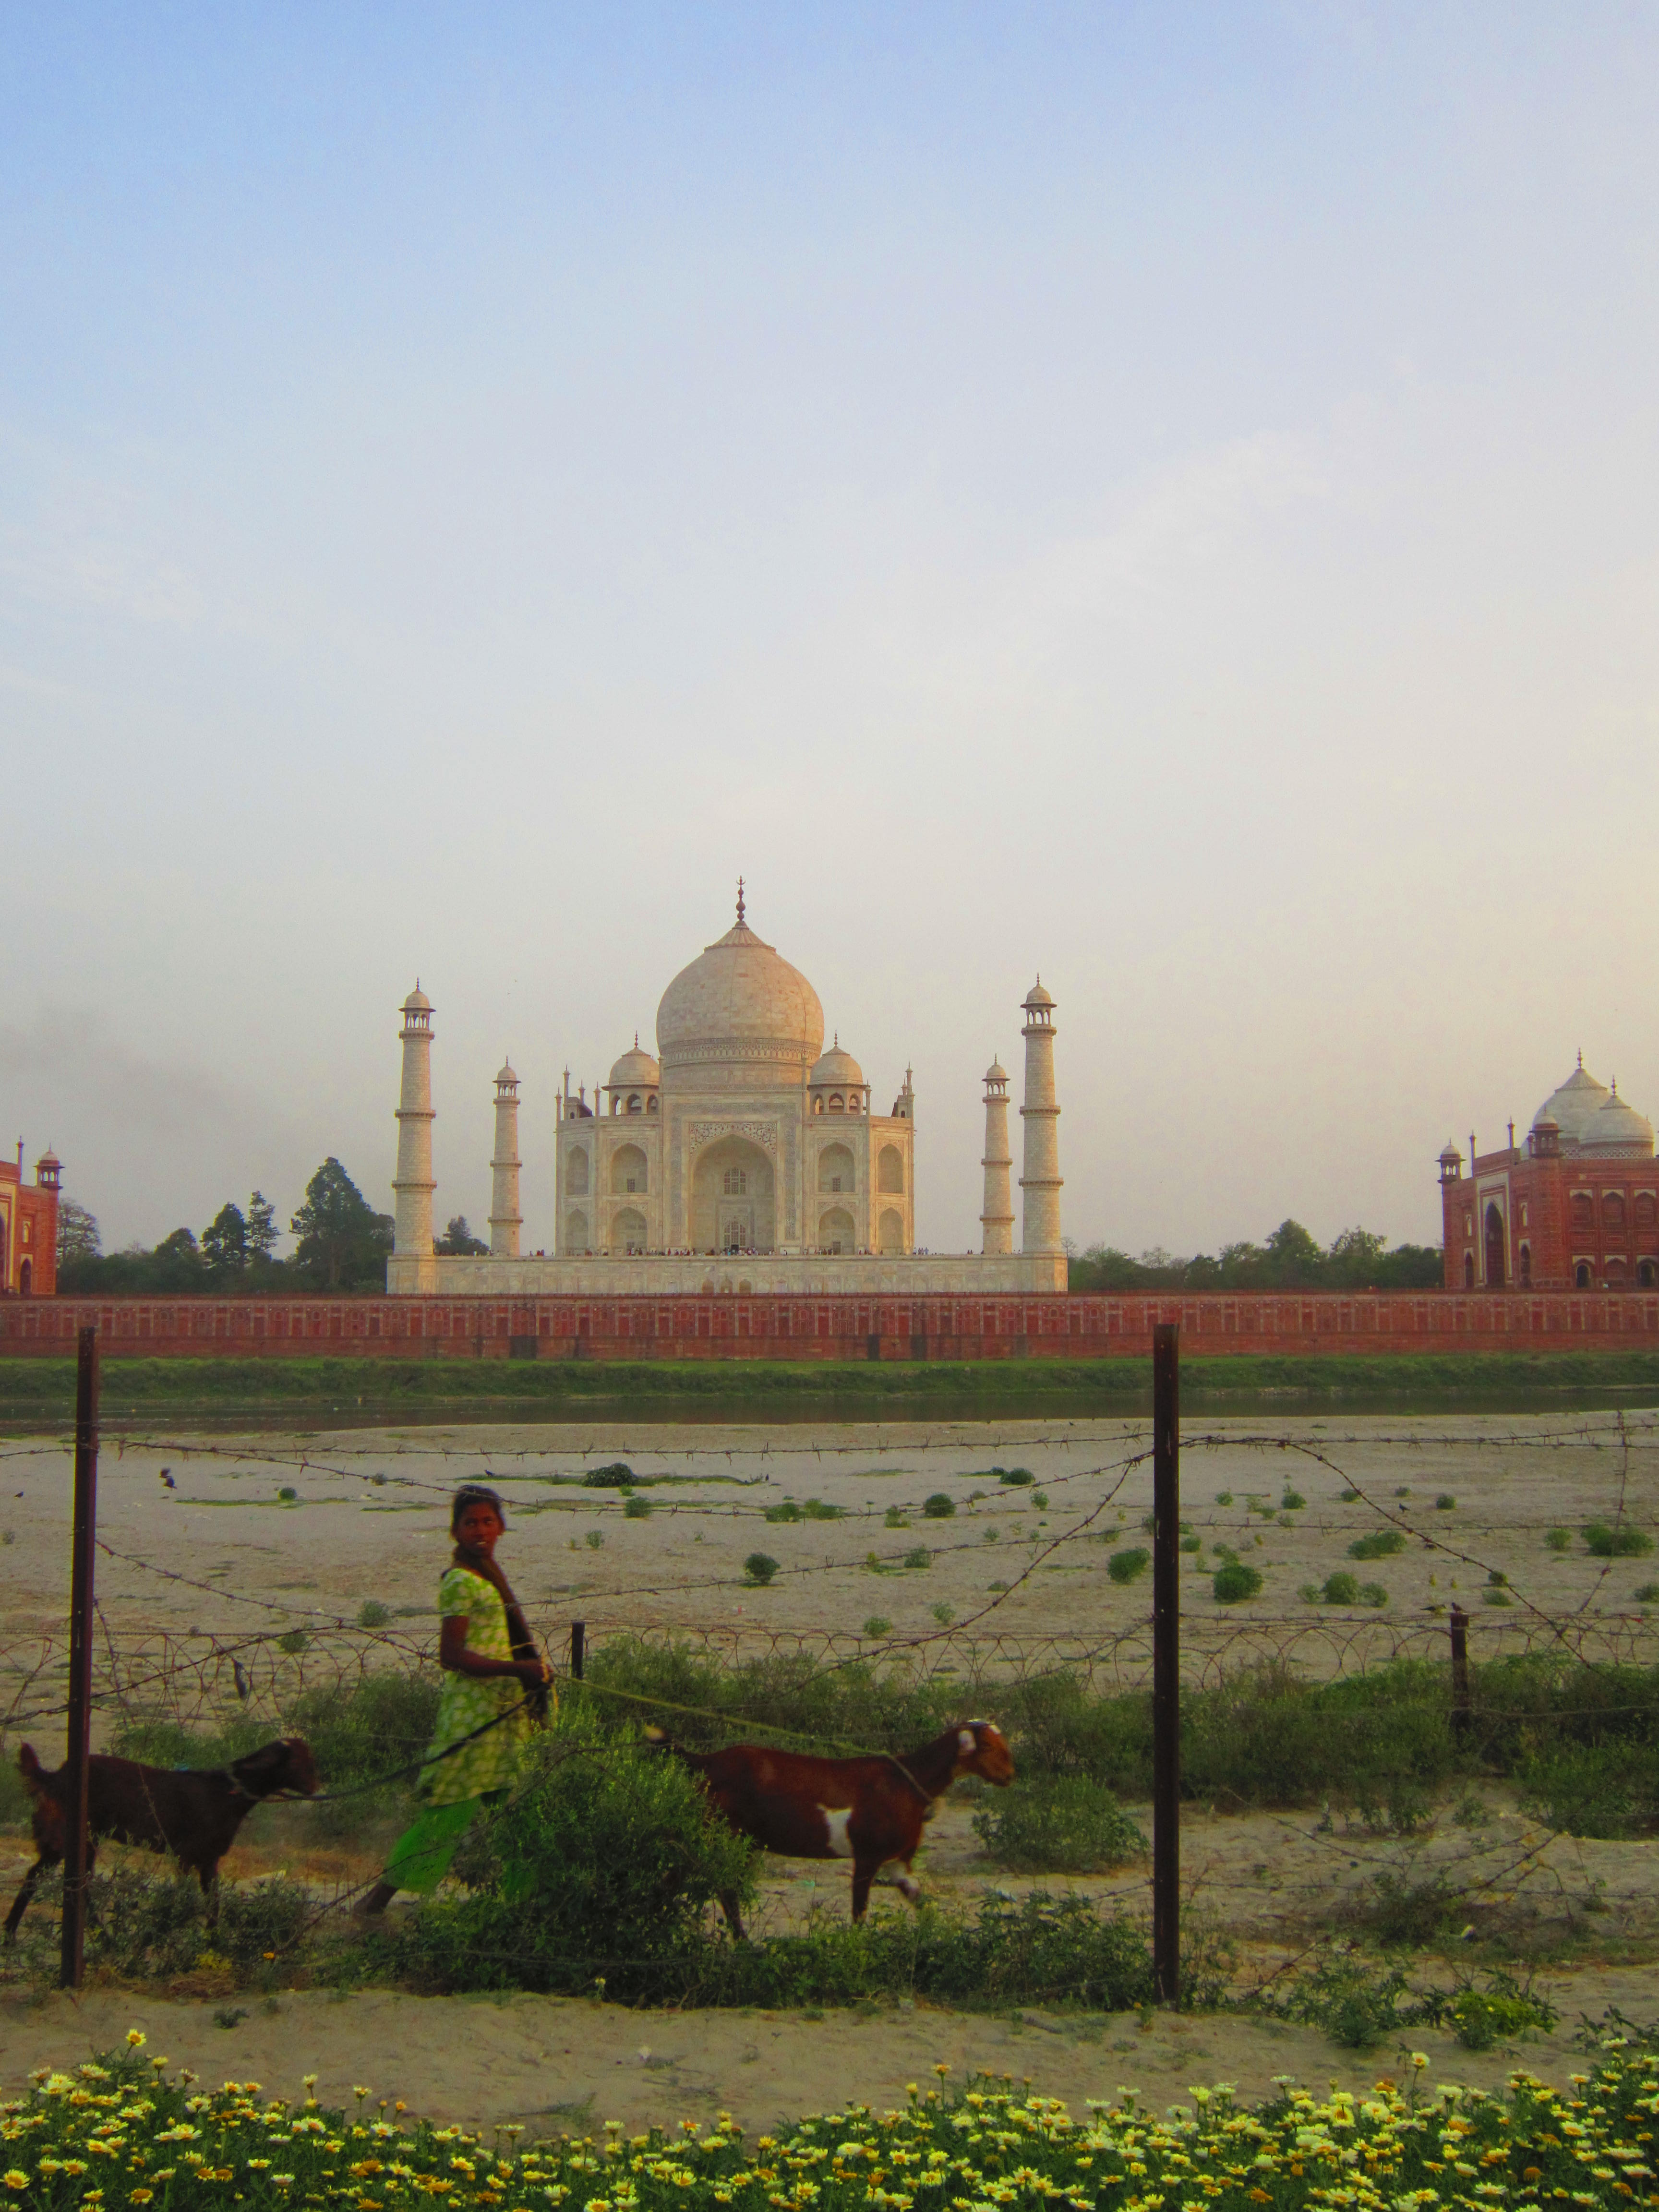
(578,1648)
(1461,1709)
(1166,1662)
(80,1669)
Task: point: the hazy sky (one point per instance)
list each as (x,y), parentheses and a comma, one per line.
(1165,496)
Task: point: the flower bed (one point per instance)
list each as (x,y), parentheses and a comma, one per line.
(121,2134)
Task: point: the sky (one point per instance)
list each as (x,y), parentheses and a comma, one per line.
(1164,496)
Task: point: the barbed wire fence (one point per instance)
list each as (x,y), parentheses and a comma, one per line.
(202,1679)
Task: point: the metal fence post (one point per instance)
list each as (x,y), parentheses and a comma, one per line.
(80,1671)
(1166,1661)
(1459,1672)
(578,1647)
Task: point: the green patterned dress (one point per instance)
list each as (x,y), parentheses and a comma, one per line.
(490,1761)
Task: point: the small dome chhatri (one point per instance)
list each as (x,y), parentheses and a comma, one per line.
(835,1066)
(635,1070)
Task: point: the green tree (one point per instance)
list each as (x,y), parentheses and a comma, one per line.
(1294,1257)
(343,1243)
(458,1239)
(174,1264)
(261,1228)
(77,1233)
(224,1241)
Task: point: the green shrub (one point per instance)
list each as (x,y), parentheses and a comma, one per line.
(1224,1497)
(615,1476)
(760,1567)
(945,1614)
(1357,2004)
(1608,1790)
(788,1511)
(1558,1540)
(296,1639)
(1192,1543)
(1128,1566)
(939,1506)
(1292,1501)
(1017,1477)
(815,1509)
(920,1557)
(595,1540)
(637,1508)
(288,1495)
(1445,1503)
(1341,1588)
(1234,1582)
(1622,1542)
(893,1518)
(600,1866)
(1374,1594)
(1378,1544)
(877,1626)
(1040,1499)
(1646,1593)
(1068,1826)
(371,1613)
(1480,2017)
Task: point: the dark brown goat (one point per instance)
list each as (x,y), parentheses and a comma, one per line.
(195,1816)
(869,1810)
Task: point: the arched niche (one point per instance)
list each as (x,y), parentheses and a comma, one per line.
(891,1234)
(575,1173)
(629,1171)
(628,1230)
(836,1231)
(890,1170)
(835,1168)
(575,1232)
(733,1206)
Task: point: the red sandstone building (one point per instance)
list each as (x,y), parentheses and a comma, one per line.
(1576,1206)
(28,1227)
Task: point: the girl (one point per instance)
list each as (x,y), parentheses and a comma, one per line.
(495,1687)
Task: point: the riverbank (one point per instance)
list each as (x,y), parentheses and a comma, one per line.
(38,1392)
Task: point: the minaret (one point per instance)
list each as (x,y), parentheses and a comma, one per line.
(505,1218)
(1041,1181)
(412,1236)
(998,1218)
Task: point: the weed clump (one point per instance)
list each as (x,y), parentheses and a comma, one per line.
(1378,1544)
(371,1613)
(1234,1583)
(1066,1826)
(1128,1566)
(1622,1542)
(920,1557)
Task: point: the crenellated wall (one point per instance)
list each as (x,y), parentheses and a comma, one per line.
(795,1327)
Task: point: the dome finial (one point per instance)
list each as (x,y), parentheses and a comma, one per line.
(739,898)
(1581,1055)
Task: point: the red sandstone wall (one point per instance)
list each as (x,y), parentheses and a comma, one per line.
(804,1327)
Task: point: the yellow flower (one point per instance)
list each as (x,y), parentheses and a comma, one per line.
(14,2180)
(134,2195)
(136,2039)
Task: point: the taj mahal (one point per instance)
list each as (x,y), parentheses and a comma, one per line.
(742,1157)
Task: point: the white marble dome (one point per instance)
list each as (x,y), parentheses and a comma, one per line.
(1579,1098)
(636,1071)
(1617,1127)
(740,1011)
(836,1068)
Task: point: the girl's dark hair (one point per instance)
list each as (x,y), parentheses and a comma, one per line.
(474,1493)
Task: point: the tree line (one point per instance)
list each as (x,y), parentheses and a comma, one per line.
(1291,1259)
(341,1244)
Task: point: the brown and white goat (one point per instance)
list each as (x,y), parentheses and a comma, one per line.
(194,1816)
(871,1811)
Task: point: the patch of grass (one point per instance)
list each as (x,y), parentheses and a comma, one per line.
(1070,1824)
(637,1508)
(1558,1540)
(1128,1566)
(1378,1544)
(919,1557)
(815,1509)
(788,1510)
